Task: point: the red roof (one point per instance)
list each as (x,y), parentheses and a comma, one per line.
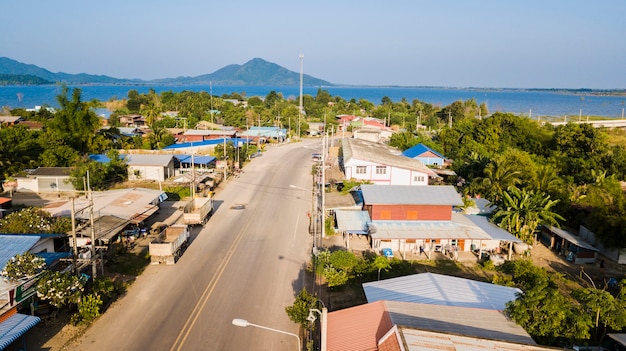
(358,328)
(4,200)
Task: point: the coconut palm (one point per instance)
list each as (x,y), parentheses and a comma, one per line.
(522,211)
(499,175)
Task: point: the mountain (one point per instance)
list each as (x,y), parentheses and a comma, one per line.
(12,67)
(256,72)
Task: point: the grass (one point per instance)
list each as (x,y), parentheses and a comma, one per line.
(129,263)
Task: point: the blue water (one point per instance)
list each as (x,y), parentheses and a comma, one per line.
(535,103)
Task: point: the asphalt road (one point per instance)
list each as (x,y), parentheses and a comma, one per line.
(245,263)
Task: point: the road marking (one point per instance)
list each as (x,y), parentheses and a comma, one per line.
(191,321)
(295,231)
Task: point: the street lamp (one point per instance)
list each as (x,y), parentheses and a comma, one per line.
(244,323)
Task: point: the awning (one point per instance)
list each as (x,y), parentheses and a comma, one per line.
(14,327)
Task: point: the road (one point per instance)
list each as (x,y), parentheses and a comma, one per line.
(245,263)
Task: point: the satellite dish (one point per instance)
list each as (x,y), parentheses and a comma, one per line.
(371,228)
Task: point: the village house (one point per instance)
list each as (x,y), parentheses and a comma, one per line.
(430,311)
(380,164)
(426,155)
(415,222)
(46,180)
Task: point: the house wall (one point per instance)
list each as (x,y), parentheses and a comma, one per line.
(412,245)
(409,212)
(44,184)
(431,160)
(43,245)
(392,176)
(615,254)
(157,173)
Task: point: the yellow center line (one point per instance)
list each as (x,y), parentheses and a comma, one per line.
(204,298)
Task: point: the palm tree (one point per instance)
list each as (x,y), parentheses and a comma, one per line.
(499,175)
(522,211)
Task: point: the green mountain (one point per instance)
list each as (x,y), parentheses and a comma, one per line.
(256,72)
(15,68)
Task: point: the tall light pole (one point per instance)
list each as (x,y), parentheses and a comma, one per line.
(244,323)
(301,57)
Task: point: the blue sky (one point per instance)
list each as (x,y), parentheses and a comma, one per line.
(455,43)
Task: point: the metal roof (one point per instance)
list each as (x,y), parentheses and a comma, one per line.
(14,327)
(493,230)
(129,204)
(572,238)
(438,289)
(195,159)
(11,245)
(352,221)
(410,195)
(381,154)
(426,340)
(474,322)
(52,171)
(148,160)
(459,227)
(418,150)
(357,328)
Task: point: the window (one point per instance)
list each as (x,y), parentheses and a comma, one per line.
(361,169)
(418,178)
(381,169)
(411,214)
(385,214)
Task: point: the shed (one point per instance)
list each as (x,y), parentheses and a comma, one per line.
(150,167)
(567,244)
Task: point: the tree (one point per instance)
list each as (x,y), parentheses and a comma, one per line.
(522,211)
(542,310)
(60,288)
(32,220)
(380,263)
(74,124)
(605,310)
(23,266)
(498,176)
(299,311)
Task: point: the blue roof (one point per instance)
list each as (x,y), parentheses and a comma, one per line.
(205,143)
(52,257)
(419,149)
(11,245)
(198,160)
(100,158)
(14,327)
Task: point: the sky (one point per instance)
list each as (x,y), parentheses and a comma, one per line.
(444,43)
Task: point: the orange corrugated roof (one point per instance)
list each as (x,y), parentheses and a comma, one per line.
(358,328)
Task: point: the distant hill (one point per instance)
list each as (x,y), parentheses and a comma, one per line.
(256,72)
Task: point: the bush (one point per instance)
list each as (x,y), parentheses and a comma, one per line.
(88,309)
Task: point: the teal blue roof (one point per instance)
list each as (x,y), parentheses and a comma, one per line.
(11,245)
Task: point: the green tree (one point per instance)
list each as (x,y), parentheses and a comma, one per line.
(603,309)
(542,310)
(23,266)
(31,220)
(381,263)
(299,311)
(499,174)
(74,124)
(522,211)
(60,288)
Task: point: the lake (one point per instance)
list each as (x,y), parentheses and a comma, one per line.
(520,102)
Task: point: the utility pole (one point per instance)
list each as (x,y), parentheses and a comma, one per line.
(94,267)
(74,244)
(301,57)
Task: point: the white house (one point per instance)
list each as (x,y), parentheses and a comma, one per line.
(150,167)
(46,180)
(380,164)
